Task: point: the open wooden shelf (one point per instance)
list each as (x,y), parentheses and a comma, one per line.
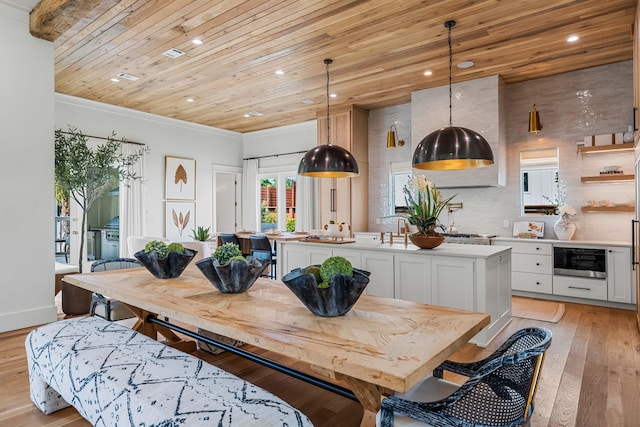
(608,209)
(606,148)
(608,178)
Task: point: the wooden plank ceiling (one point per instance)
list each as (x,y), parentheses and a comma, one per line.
(380,50)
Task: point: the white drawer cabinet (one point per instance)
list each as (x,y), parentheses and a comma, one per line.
(380,265)
(532,272)
(412,278)
(531,266)
(532,282)
(580,287)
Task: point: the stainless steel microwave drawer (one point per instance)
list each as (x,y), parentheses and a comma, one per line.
(580,287)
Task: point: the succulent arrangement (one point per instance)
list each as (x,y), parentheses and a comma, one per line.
(229,271)
(329,289)
(227,252)
(201,234)
(162,249)
(330,266)
(165,261)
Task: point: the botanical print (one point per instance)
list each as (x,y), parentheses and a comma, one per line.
(180,178)
(179,220)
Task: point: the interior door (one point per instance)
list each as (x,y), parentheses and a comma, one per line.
(636,235)
(227,201)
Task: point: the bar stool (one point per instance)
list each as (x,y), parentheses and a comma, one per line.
(261,248)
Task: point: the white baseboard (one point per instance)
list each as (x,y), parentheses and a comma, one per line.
(25,319)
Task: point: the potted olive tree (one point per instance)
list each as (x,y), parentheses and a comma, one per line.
(86,173)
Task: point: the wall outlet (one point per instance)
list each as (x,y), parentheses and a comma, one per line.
(505,223)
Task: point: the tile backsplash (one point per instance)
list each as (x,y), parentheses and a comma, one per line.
(573,105)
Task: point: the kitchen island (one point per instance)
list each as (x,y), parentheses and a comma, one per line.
(470,277)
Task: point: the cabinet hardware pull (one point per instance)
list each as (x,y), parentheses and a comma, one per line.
(537,283)
(537,263)
(578,287)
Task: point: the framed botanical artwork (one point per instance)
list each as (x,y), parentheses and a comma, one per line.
(180,218)
(179,178)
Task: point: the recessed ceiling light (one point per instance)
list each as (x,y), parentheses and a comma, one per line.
(428,73)
(113,79)
(307,101)
(279,72)
(197,42)
(333,95)
(128,76)
(247,115)
(256,113)
(189,99)
(573,38)
(173,53)
(466,64)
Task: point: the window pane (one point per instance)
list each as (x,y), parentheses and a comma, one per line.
(268,204)
(291,203)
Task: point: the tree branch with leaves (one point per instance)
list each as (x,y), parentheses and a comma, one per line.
(87,173)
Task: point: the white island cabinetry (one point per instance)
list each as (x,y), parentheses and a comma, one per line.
(471,277)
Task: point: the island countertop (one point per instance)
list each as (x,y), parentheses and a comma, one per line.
(445,249)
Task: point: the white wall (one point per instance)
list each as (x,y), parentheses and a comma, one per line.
(164,137)
(26,173)
(285,139)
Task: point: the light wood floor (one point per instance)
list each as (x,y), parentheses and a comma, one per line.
(591,376)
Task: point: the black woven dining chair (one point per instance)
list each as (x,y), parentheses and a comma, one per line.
(261,248)
(500,390)
(104,306)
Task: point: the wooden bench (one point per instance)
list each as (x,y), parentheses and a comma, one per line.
(115,376)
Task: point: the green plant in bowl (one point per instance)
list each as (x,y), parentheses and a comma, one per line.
(201,234)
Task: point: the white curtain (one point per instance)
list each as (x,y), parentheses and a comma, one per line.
(131,201)
(250,195)
(306,206)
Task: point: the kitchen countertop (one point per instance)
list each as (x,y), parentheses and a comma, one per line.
(566,242)
(445,249)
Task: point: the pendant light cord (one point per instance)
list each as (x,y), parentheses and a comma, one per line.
(327,62)
(450,25)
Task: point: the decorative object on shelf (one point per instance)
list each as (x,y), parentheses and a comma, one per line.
(452,147)
(628,135)
(534,121)
(391,138)
(424,205)
(328,160)
(324,292)
(165,261)
(234,277)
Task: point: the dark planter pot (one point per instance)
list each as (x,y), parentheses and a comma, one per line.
(169,267)
(233,278)
(336,300)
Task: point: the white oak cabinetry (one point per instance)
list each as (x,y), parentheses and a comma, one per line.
(532,273)
(348,202)
(471,277)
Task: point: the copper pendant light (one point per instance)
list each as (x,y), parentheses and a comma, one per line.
(452,147)
(534,121)
(328,160)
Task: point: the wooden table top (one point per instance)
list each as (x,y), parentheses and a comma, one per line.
(386,342)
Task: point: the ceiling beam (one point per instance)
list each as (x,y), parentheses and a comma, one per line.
(52,18)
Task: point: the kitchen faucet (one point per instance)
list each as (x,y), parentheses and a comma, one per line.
(403,226)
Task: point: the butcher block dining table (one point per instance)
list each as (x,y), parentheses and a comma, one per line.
(379,347)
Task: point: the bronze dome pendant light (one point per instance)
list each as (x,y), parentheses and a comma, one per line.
(452,147)
(328,160)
